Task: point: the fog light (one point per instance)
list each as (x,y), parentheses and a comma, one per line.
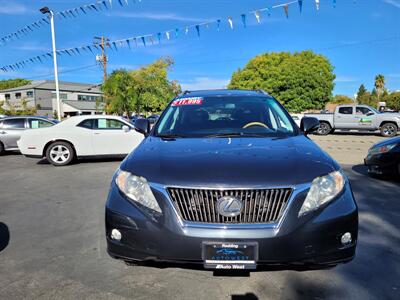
(116,234)
(346,238)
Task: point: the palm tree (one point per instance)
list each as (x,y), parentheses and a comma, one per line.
(379,84)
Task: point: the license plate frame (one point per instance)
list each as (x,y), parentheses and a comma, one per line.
(230,255)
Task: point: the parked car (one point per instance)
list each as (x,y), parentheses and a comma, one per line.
(81,136)
(383,158)
(297,118)
(226,179)
(11,129)
(3,116)
(153,119)
(358,117)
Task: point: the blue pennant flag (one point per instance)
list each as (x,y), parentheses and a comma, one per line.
(77,50)
(66,51)
(30,28)
(62,14)
(115,45)
(218,24)
(94,7)
(105,4)
(128,43)
(38,57)
(176,32)
(90,49)
(334,3)
(301,5)
(83,10)
(244,20)
(143,41)
(198,30)
(159,37)
(49,54)
(120,2)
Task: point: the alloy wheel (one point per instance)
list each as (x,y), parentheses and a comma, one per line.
(60,154)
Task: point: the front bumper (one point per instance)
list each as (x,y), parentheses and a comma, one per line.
(310,240)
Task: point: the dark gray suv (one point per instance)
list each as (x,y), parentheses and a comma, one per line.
(226,179)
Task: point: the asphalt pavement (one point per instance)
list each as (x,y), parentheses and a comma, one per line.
(52,244)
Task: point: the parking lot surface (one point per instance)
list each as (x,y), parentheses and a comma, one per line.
(52,243)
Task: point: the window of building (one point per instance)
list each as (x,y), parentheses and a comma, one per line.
(17,95)
(18,123)
(29,94)
(39,123)
(7,96)
(346,110)
(109,124)
(87,98)
(63,96)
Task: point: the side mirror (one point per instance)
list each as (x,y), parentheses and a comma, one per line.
(309,124)
(142,126)
(370,113)
(126,128)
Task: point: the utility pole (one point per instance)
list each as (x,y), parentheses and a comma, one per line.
(46,10)
(102,59)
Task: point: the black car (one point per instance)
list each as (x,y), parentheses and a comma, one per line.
(384,158)
(226,179)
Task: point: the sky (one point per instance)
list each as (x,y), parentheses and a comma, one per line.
(361,38)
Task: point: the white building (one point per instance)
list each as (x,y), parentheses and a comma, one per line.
(76,98)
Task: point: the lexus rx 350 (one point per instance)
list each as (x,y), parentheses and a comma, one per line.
(226,179)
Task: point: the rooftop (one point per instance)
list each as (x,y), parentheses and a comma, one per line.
(223,92)
(63,85)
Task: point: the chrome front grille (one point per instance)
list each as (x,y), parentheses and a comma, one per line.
(258,206)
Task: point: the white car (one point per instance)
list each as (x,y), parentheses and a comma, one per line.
(81,136)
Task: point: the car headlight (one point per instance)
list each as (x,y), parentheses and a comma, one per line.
(137,189)
(382,149)
(323,189)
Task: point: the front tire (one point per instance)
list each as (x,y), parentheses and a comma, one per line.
(1,148)
(324,128)
(60,154)
(389,130)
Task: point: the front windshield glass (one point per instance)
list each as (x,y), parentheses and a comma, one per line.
(224,116)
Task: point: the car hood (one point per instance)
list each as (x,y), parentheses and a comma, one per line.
(229,162)
(387,142)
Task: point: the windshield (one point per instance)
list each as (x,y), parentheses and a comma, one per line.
(225,116)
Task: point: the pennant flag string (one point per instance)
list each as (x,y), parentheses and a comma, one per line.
(68,13)
(113,45)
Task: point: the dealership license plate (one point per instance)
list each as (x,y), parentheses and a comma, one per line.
(230,256)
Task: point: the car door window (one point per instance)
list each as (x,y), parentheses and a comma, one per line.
(39,123)
(109,124)
(88,124)
(14,124)
(346,110)
(362,110)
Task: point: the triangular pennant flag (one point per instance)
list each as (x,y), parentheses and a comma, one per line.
(71,12)
(151,39)
(186,30)
(120,2)
(244,20)
(82,9)
(77,50)
(126,1)
(38,57)
(300,5)
(115,45)
(177,32)
(76,11)
(317,4)
(110,1)
(286,9)
(167,34)
(218,24)
(230,21)
(90,49)
(334,3)
(94,7)
(159,37)
(136,43)
(198,30)
(62,14)
(105,4)
(49,55)
(128,43)
(258,16)
(143,41)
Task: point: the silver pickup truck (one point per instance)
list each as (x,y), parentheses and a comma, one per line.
(358,117)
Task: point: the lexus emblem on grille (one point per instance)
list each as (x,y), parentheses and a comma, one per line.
(229,206)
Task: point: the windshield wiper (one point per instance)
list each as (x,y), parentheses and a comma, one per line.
(235,134)
(169,136)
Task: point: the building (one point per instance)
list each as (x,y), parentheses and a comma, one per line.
(76,98)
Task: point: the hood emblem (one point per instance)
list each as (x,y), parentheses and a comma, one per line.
(229,206)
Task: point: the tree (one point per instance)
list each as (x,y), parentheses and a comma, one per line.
(12,83)
(361,91)
(146,89)
(342,99)
(393,100)
(300,81)
(379,85)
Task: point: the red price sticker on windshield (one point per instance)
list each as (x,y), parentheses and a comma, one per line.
(188,101)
